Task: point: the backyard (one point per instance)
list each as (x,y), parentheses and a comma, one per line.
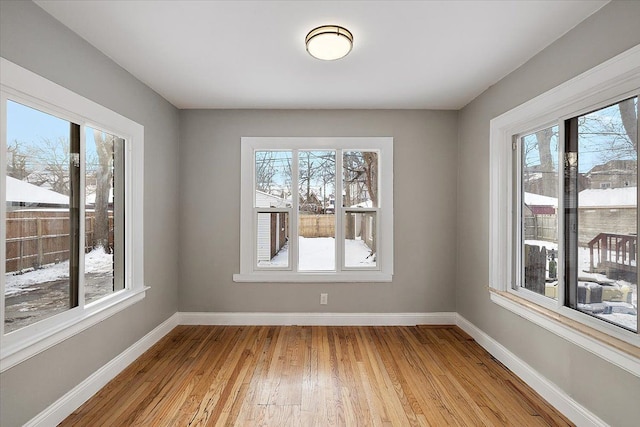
(38,294)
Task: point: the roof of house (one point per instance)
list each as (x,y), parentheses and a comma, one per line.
(22,192)
(608,197)
(620,166)
(533,199)
(591,198)
(266,200)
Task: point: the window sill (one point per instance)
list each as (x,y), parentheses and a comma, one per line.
(314,277)
(611,349)
(23,349)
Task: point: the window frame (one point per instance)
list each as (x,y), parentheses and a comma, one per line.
(383,272)
(606,84)
(518,278)
(25,87)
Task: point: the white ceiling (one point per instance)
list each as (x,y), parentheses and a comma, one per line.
(251,54)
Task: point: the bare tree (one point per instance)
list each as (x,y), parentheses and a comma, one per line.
(265,170)
(549,183)
(316,170)
(629,115)
(105,144)
(360,172)
(17,161)
(612,132)
(49,160)
(371,175)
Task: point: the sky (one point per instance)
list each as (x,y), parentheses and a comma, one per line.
(597,143)
(30,126)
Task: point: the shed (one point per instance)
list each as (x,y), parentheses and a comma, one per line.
(273,227)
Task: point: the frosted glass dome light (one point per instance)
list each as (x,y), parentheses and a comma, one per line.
(329,42)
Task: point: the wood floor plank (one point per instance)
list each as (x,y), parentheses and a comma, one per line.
(316,376)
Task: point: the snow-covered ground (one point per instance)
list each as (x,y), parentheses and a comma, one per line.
(318,254)
(96,261)
(38,294)
(621,313)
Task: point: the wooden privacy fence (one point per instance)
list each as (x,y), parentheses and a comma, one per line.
(317,225)
(35,238)
(357,225)
(541,227)
(535,268)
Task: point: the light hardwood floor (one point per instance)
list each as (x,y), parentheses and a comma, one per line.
(316,376)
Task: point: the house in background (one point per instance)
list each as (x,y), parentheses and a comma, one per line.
(272,227)
(614,174)
(441,175)
(21,194)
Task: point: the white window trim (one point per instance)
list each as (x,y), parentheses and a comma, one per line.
(384,273)
(19,84)
(603,85)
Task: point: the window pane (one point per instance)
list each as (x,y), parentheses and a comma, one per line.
(360,179)
(360,239)
(607,213)
(316,207)
(104,199)
(539,209)
(38,220)
(273,239)
(273,179)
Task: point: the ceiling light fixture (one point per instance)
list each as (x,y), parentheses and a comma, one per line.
(329,42)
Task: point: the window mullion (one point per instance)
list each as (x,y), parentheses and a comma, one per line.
(339,213)
(293,260)
(570,213)
(74,214)
(3,209)
(119,218)
(517,280)
(562,258)
(82,234)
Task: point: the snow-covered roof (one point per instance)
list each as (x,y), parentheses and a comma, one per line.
(90,198)
(532,199)
(609,197)
(266,200)
(22,192)
(365,204)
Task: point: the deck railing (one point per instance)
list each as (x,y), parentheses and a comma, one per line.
(608,251)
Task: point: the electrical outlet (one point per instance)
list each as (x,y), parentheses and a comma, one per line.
(323,298)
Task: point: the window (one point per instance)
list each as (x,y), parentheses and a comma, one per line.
(71,224)
(537,224)
(564,212)
(316,209)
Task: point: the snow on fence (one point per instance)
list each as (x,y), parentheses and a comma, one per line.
(38,237)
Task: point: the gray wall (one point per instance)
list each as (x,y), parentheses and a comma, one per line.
(33,39)
(441,200)
(424,216)
(605,390)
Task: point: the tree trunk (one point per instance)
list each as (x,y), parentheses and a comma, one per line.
(371,175)
(104,179)
(549,182)
(630,120)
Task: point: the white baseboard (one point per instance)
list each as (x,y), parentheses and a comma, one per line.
(549,391)
(64,406)
(318,319)
(72,400)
